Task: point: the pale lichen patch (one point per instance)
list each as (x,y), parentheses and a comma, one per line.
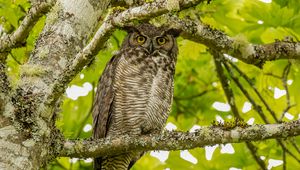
(45,111)
(43,53)
(235,135)
(28,143)
(82,11)
(53,15)
(205,132)
(36,81)
(7,131)
(32,70)
(43,127)
(200,28)
(9,109)
(22,162)
(10,145)
(270,130)
(93,149)
(62,62)
(242,45)
(44,153)
(66,29)
(297,48)
(172,5)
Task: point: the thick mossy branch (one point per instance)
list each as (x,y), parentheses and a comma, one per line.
(237,46)
(179,140)
(130,3)
(17,38)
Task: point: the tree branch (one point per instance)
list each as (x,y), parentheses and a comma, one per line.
(231,100)
(238,46)
(178,140)
(35,12)
(256,157)
(225,83)
(248,80)
(257,107)
(193,96)
(284,83)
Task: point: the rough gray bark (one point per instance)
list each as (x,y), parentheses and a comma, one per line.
(35,12)
(179,140)
(28,136)
(238,47)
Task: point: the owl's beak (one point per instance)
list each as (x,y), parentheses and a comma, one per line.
(150,48)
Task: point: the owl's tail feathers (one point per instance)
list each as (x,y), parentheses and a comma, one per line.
(133,161)
(97,163)
(119,162)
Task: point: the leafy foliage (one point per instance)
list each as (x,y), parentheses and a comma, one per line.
(197,86)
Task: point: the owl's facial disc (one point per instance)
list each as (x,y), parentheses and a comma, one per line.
(160,41)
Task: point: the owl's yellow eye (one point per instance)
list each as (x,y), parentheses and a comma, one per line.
(161,40)
(140,39)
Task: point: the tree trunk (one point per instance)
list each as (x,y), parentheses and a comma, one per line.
(28,137)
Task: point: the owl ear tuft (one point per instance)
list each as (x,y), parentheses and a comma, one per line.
(130,29)
(173,31)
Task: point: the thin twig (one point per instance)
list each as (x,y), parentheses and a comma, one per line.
(256,107)
(273,75)
(15,39)
(287,151)
(12,56)
(284,80)
(193,96)
(230,98)
(60,165)
(225,84)
(254,88)
(284,159)
(295,145)
(245,92)
(184,109)
(253,150)
(286,110)
(117,40)
(284,77)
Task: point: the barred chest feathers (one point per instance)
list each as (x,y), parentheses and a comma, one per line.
(143,92)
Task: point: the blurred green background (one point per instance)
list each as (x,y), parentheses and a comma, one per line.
(199,98)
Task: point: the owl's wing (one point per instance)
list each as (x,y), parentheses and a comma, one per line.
(103,100)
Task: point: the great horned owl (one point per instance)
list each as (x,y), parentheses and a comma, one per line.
(135,91)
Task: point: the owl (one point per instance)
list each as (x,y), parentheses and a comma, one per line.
(135,91)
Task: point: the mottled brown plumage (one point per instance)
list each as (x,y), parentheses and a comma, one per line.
(135,91)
